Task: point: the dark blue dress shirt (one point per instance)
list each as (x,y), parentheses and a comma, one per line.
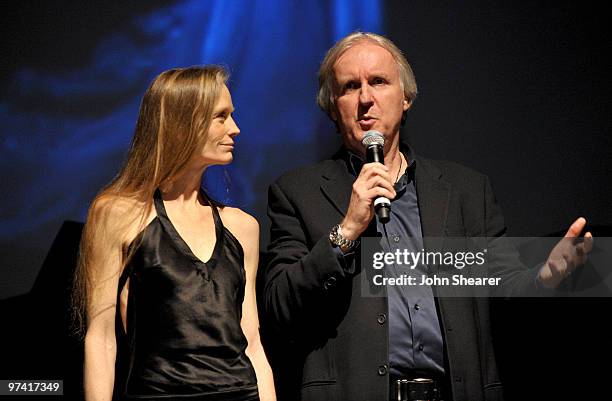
(415,338)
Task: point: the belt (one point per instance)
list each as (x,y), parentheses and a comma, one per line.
(415,389)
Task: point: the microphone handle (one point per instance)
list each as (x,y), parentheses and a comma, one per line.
(374,153)
(382,205)
(383,211)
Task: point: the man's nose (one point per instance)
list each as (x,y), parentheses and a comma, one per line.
(365,96)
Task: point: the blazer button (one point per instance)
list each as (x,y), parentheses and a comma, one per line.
(382,370)
(382,318)
(330,283)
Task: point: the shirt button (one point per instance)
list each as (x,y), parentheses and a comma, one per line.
(382,370)
(396,238)
(421,347)
(417,306)
(330,283)
(382,318)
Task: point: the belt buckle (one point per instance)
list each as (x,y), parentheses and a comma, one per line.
(418,389)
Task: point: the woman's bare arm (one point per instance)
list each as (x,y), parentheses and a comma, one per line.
(246,230)
(104,264)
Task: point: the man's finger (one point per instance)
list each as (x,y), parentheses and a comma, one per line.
(588,242)
(570,261)
(557,267)
(576,228)
(374,165)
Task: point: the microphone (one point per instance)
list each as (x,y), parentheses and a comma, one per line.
(373,141)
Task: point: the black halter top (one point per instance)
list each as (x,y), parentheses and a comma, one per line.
(183,334)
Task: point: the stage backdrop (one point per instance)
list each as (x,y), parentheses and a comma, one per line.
(520,92)
(75,74)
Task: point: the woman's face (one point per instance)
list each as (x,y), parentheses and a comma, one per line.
(219,144)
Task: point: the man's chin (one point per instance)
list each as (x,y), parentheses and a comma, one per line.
(354,145)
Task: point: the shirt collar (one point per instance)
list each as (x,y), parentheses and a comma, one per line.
(354,163)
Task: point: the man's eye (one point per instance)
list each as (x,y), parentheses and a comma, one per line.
(378,81)
(351,86)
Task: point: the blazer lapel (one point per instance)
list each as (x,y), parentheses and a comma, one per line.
(433,198)
(336,185)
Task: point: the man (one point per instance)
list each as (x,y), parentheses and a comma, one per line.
(330,341)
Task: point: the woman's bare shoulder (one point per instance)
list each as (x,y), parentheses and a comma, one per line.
(120,216)
(244,226)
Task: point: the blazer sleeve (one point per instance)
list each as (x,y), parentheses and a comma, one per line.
(302,274)
(516,278)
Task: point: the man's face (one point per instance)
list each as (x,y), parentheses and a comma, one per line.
(368,95)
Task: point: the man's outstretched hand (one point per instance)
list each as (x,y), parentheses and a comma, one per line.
(567,255)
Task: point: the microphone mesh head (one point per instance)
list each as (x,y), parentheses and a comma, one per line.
(373,138)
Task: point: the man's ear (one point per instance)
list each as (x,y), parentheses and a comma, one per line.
(406,104)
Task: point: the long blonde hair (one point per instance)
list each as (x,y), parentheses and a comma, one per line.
(173,122)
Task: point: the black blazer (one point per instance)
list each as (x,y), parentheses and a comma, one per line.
(328,342)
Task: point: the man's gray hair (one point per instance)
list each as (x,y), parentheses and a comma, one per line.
(325,98)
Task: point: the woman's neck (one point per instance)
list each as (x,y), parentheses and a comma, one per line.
(184,189)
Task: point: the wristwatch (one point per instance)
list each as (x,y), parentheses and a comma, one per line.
(337,239)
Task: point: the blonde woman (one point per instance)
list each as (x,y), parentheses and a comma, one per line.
(167,269)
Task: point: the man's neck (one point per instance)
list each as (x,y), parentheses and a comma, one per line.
(395,161)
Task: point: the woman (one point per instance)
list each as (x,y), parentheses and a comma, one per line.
(169,270)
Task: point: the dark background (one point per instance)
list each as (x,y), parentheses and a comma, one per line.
(517,90)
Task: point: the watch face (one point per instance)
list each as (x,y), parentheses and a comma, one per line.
(334,237)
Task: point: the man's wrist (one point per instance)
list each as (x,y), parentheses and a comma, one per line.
(348,232)
(338,238)
(346,249)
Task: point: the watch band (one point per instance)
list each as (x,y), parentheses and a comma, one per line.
(337,239)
